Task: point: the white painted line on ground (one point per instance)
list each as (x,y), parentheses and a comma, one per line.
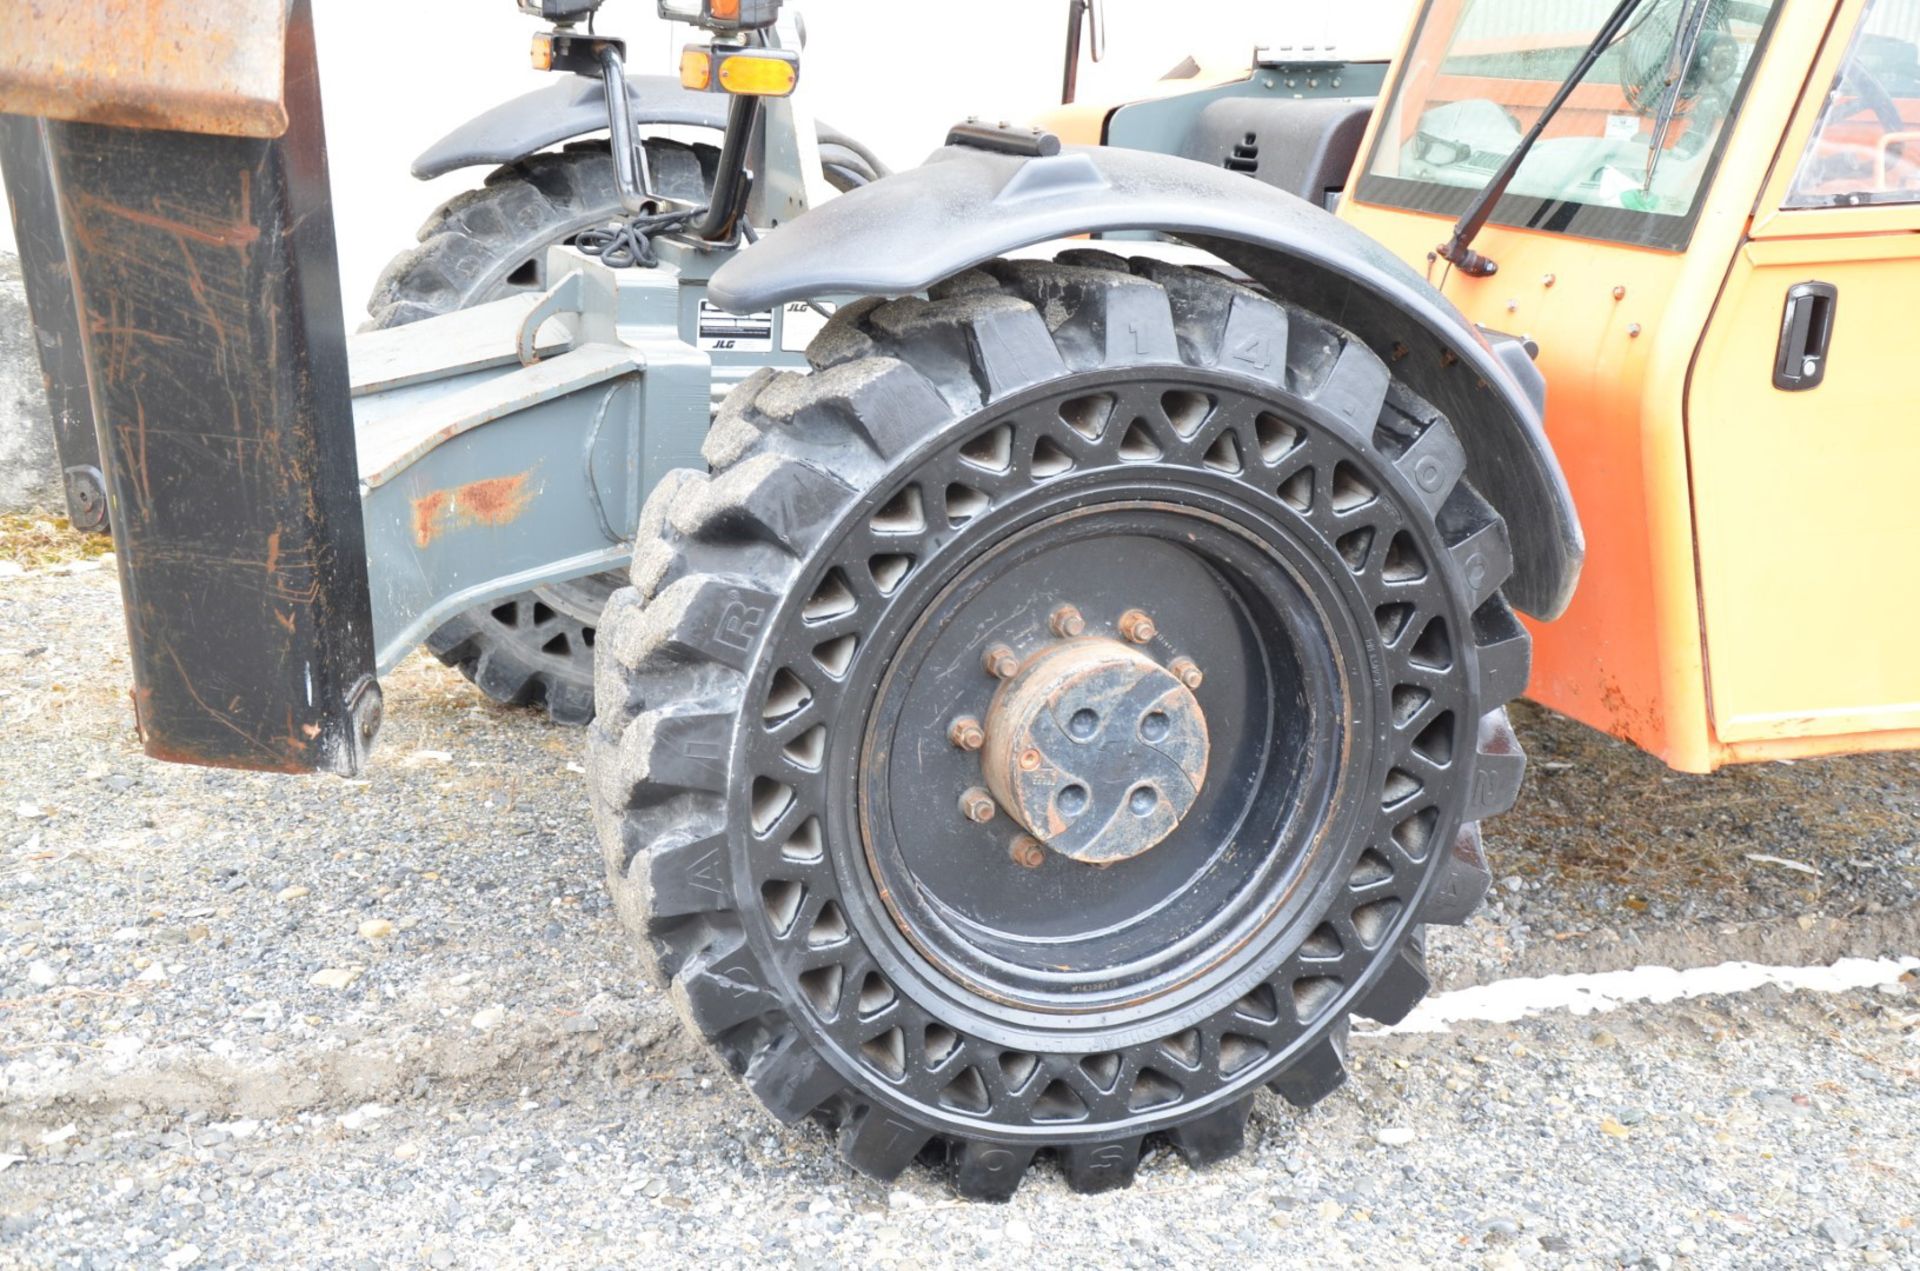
(1507,1000)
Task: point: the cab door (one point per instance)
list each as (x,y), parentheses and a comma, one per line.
(1803,418)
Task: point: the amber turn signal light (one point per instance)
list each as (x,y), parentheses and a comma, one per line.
(760,73)
(696,68)
(745,72)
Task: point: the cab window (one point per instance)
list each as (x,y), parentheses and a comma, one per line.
(1867,147)
(1630,156)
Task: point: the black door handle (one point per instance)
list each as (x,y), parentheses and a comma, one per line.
(1806,331)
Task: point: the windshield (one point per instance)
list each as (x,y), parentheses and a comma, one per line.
(1480,72)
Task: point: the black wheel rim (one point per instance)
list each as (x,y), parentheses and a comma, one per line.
(582,599)
(1295,526)
(1141,928)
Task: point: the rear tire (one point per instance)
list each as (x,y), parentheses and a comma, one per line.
(751,761)
(491,243)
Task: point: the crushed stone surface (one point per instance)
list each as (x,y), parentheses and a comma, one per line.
(250,1019)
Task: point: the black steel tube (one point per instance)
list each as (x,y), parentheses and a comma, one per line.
(1070,81)
(56,320)
(629,172)
(732,182)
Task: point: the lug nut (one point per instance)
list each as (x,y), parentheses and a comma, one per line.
(1187,671)
(977,806)
(1000,662)
(966,733)
(1136,626)
(1027,852)
(1067,622)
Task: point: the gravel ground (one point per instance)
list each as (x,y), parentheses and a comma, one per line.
(248,1018)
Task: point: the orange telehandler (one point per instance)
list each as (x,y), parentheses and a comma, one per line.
(1055,691)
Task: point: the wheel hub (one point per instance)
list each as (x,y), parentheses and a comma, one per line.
(1095,749)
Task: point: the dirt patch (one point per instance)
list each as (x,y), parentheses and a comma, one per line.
(1614,832)
(33,541)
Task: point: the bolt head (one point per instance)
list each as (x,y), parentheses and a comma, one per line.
(1067,622)
(977,806)
(1029,760)
(1136,626)
(1188,672)
(1027,852)
(966,733)
(1000,661)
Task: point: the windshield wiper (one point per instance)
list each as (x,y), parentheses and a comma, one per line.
(1692,24)
(1458,250)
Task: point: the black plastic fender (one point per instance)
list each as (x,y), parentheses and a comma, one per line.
(572,106)
(902,234)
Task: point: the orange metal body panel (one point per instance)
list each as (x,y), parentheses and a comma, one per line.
(1081,124)
(1631,339)
(1805,566)
(1626,656)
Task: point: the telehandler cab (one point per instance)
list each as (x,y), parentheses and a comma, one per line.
(1049,712)
(1711,244)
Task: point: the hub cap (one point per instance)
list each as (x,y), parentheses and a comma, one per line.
(1095,749)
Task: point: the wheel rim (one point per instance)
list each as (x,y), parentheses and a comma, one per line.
(1064,936)
(1010,1045)
(582,599)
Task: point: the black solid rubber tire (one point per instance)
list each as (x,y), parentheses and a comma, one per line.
(490,243)
(536,648)
(723,560)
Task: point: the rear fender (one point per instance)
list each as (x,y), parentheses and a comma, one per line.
(900,235)
(572,107)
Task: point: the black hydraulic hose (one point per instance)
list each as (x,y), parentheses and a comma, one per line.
(830,135)
(1458,250)
(731,182)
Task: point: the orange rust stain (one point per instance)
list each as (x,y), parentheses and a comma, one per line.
(272,761)
(212,234)
(141,698)
(152,64)
(494,502)
(427,512)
